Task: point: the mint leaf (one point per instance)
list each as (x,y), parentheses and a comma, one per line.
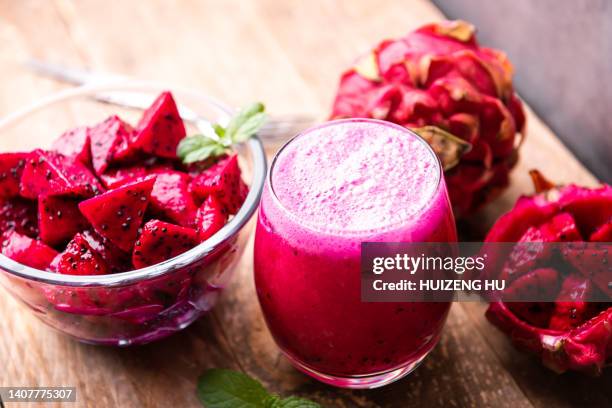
(295,402)
(249,127)
(239,129)
(219,130)
(243,115)
(199,147)
(220,388)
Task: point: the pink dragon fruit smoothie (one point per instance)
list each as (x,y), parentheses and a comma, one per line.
(329,189)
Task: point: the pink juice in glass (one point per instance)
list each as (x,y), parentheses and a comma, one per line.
(329,189)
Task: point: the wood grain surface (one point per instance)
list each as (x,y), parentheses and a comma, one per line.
(288,54)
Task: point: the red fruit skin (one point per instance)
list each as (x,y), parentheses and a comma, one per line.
(561,228)
(602,234)
(590,208)
(222,180)
(161,128)
(49,172)
(160,241)
(571,308)
(585,348)
(75,143)
(20,215)
(79,258)
(527,212)
(578,335)
(117,214)
(27,251)
(59,219)
(110,143)
(11,169)
(210,218)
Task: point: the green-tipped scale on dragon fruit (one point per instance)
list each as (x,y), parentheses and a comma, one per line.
(569,334)
(11,169)
(161,128)
(28,251)
(75,143)
(79,258)
(117,214)
(48,172)
(160,241)
(59,219)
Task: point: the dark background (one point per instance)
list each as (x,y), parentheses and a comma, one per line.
(562,54)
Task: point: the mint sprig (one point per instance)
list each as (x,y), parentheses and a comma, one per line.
(220,388)
(239,129)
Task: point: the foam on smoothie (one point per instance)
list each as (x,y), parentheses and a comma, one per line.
(355,176)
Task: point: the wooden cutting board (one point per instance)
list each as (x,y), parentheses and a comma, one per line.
(288,54)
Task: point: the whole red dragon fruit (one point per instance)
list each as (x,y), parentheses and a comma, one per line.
(571,333)
(438,81)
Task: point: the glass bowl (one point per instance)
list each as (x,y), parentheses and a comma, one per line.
(142,305)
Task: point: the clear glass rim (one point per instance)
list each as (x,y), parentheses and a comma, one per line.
(193,255)
(334,122)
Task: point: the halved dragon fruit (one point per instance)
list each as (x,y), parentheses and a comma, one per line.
(570,334)
(11,169)
(160,241)
(59,219)
(75,143)
(48,172)
(117,214)
(79,258)
(28,251)
(161,128)
(224,182)
(19,214)
(110,143)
